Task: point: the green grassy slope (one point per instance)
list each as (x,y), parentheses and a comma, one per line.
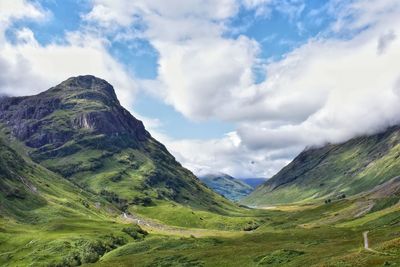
(227,186)
(47,221)
(333,170)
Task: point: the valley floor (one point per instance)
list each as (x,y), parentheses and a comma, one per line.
(295,235)
(302,235)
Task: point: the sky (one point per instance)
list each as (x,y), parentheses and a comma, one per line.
(233,86)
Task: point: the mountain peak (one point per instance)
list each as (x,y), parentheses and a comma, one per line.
(87,83)
(79,106)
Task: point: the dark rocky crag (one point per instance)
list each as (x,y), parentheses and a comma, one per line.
(30,118)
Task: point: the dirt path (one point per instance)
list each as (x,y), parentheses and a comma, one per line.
(153,226)
(366,244)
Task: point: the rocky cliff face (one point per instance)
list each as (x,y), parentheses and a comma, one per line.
(80,104)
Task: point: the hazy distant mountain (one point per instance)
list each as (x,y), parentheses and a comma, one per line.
(232,188)
(253,182)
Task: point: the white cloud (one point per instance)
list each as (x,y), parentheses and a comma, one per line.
(384,41)
(290,8)
(355,84)
(124,13)
(198,67)
(28,67)
(200,78)
(18,9)
(360,14)
(261,7)
(328,90)
(225,155)
(26,36)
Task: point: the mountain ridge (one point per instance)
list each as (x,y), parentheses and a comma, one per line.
(349,168)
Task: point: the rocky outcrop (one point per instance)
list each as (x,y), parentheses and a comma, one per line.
(77,105)
(111,123)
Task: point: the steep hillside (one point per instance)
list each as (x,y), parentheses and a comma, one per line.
(334,171)
(79,130)
(17,192)
(28,191)
(45,220)
(227,186)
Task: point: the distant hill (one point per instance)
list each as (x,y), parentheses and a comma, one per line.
(253,182)
(227,186)
(353,167)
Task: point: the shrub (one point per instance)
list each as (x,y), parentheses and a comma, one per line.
(143,201)
(136,233)
(251,226)
(90,251)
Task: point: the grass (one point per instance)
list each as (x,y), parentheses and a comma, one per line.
(57,242)
(45,220)
(281,240)
(247,250)
(185,216)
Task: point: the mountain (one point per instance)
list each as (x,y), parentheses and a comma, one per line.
(253,182)
(334,171)
(227,186)
(79,130)
(75,167)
